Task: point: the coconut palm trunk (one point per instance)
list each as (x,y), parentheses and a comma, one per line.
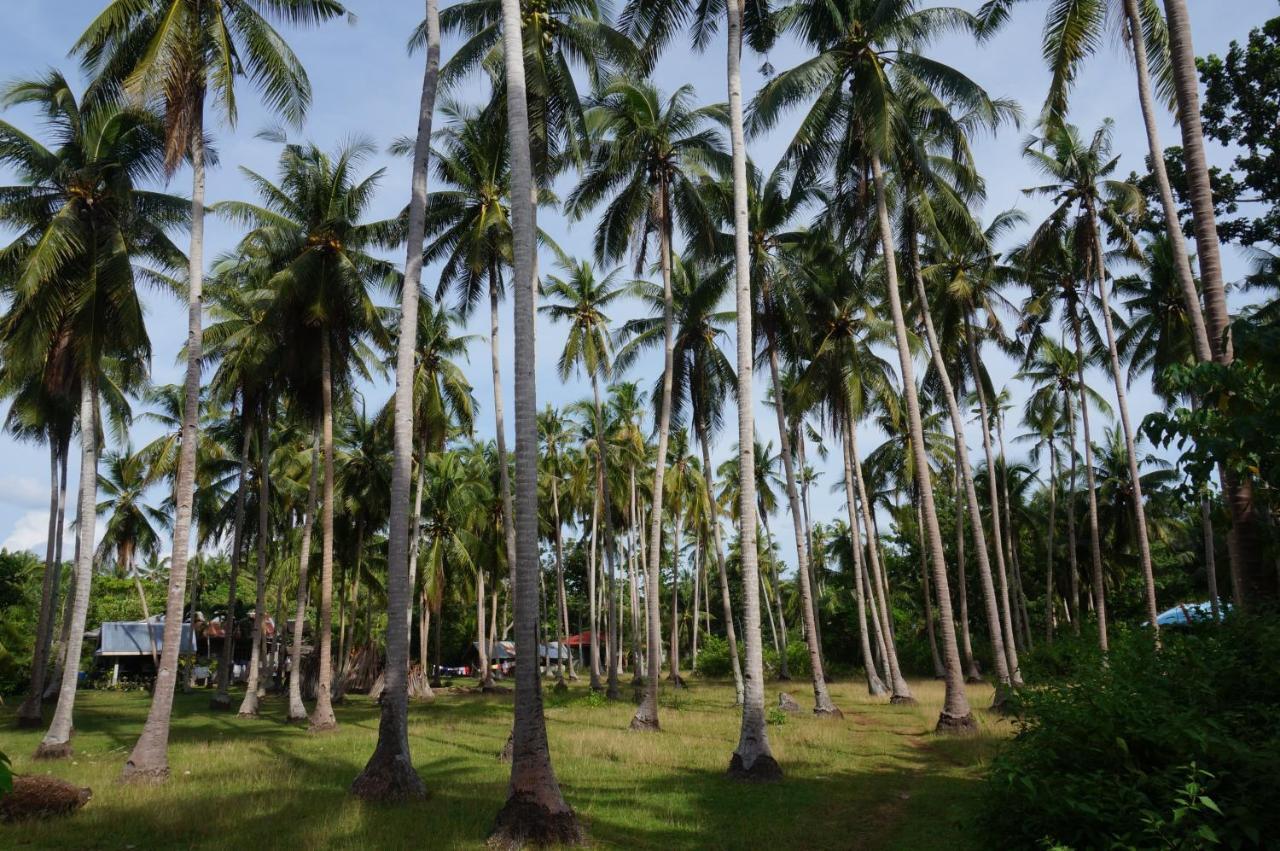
(57,740)
(955,716)
(562,620)
(53,656)
(1006,671)
(322,717)
(637,562)
(822,704)
(29,713)
(389,775)
(249,706)
(535,812)
(593,598)
(149,758)
(752,759)
(731,634)
(482,637)
(611,662)
(297,710)
(646,717)
(930,633)
(673,647)
(1095,542)
(875,686)
(222,699)
(698,552)
(1122,400)
(971,673)
(775,578)
(1049,542)
(1253,574)
(993,496)
(879,597)
(500,429)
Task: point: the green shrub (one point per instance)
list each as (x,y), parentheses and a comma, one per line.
(775,716)
(1170,748)
(713,657)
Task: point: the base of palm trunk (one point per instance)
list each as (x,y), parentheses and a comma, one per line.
(508,750)
(52,750)
(831,711)
(1002,702)
(903,700)
(298,715)
(645,723)
(677,681)
(389,780)
(765,769)
(322,725)
(220,702)
(956,725)
(524,823)
(249,708)
(613,692)
(560,687)
(30,715)
(143,773)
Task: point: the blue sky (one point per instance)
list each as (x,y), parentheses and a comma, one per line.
(366,85)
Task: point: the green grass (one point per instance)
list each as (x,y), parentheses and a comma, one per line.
(877,779)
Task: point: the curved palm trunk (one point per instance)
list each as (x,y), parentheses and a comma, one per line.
(149,758)
(875,686)
(298,711)
(879,599)
(222,700)
(955,716)
(1095,542)
(731,634)
(535,812)
(389,775)
(1005,670)
(57,740)
(971,673)
(29,712)
(822,704)
(646,717)
(1122,400)
(753,758)
(249,706)
(1254,577)
(993,496)
(322,717)
(930,633)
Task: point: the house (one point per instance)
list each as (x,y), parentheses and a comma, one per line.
(502,654)
(131,645)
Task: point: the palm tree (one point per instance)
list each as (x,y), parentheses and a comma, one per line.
(581,300)
(648,157)
(701,375)
(320,296)
(1080,186)
(74,312)
(389,774)
(176,52)
(869,77)
(554,432)
(132,530)
(535,811)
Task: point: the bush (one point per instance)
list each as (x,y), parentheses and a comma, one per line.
(1170,748)
(797,660)
(713,657)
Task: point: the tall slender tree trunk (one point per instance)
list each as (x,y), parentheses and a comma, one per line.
(149,759)
(875,686)
(611,611)
(697,589)
(752,759)
(322,717)
(222,699)
(673,648)
(901,691)
(1095,541)
(1005,671)
(822,704)
(1072,539)
(535,812)
(52,657)
(1254,576)
(646,717)
(298,711)
(562,620)
(993,496)
(731,635)
(956,716)
(1122,400)
(29,713)
(1049,542)
(593,599)
(784,665)
(815,586)
(57,739)
(500,429)
(249,706)
(482,636)
(971,673)
(930,633)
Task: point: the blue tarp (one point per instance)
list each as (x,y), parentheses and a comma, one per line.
(1186,613)
(504,650)
(129,638)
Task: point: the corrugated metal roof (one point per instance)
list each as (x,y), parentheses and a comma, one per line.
(129,638)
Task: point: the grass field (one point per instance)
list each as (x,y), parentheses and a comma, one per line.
(877,779)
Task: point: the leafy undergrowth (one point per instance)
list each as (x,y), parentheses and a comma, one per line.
(877,779)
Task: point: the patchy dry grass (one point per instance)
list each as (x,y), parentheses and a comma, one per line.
(877,779)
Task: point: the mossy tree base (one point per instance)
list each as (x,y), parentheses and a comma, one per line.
(956,725)
(764,770)
(52,751)
(903,700)
(523,823)
(389,780)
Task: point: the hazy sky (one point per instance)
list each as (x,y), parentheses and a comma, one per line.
(367,86)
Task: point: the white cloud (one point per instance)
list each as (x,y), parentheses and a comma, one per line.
(31,531)
(25,492)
